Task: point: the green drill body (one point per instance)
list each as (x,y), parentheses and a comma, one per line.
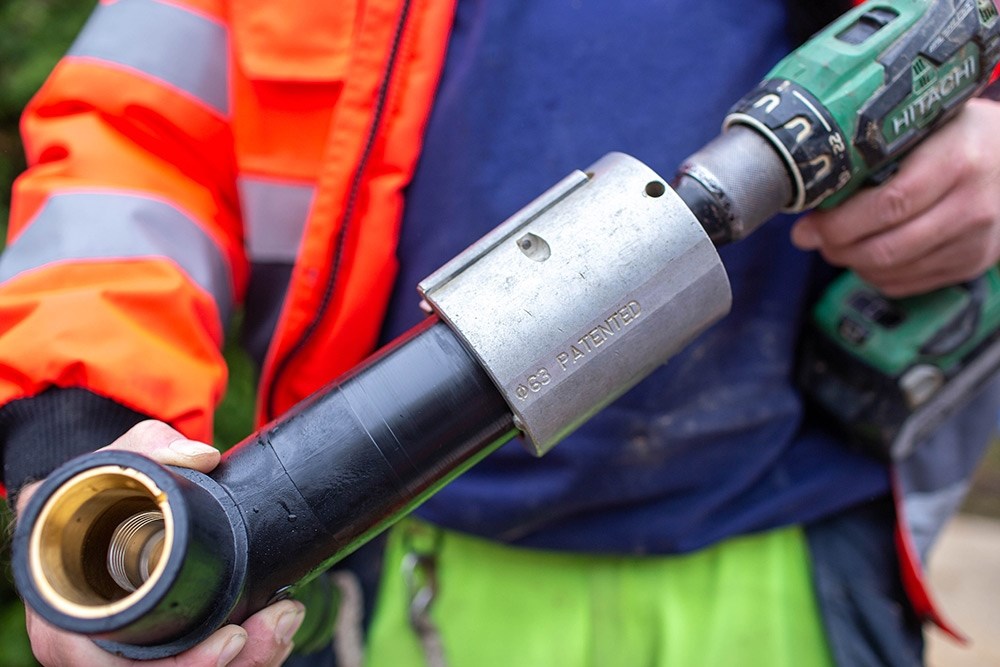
(887,74)
(836,114)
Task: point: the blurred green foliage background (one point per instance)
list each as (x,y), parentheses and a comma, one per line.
(33,35)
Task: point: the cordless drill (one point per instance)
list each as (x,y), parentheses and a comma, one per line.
(834,115)
(534,328)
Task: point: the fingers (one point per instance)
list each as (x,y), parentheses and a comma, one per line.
(949,264)
(954,241)
(269,635)
(954,221)
(221,649)
(264,640)
(935,223)
(917,257)
(874,211)
(916,188)
(54,648)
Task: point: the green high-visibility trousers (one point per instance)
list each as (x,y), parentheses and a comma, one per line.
(745,602)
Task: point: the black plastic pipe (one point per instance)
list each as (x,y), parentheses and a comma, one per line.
(283,505)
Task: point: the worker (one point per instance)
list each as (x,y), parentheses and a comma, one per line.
(191,158)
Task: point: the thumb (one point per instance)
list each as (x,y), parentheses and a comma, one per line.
(158,441)
(805,233)
(165,445)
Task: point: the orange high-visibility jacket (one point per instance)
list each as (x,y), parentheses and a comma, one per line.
(182,142)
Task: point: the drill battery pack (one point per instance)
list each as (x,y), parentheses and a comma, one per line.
(887,372)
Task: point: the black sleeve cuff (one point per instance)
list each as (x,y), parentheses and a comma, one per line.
(38,434)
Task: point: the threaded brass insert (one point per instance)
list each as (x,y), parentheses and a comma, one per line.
(100,541)
(135,549)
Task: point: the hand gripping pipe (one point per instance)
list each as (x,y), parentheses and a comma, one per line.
(537,326)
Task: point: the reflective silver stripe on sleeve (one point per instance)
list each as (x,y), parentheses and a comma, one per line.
(164,41)
(274,217)
(97,226)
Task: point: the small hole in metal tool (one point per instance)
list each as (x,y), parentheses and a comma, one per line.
(534,247)
(655,189)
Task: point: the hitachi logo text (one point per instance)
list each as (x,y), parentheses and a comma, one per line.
(931,100)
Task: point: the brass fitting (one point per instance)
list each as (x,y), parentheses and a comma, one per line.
(96,546)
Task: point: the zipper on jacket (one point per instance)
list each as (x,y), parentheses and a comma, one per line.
(331,281)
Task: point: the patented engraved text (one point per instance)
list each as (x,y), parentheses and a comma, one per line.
(586,345)
(592,341)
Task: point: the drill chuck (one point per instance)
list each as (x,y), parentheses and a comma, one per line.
(734,184)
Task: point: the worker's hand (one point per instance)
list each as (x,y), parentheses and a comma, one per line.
(264,639)
(935,223)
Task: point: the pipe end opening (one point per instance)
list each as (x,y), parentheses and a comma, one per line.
(100,542)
